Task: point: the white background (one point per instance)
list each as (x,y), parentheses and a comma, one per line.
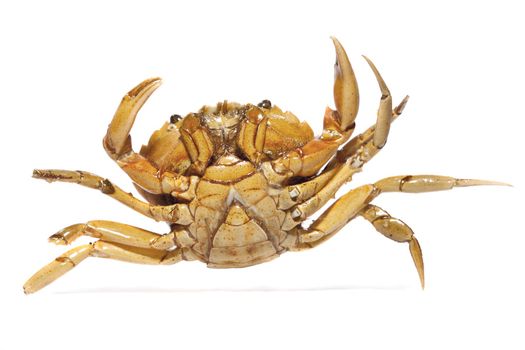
(64,68)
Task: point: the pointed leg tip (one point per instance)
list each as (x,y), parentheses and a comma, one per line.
(401,106)
(498,183)
(476,182)
(382,85)
(417,257)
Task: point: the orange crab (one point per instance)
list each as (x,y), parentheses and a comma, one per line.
(235,182)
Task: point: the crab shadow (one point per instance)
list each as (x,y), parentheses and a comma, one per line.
(130,290)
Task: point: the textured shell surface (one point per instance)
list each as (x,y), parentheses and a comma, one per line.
(237,221)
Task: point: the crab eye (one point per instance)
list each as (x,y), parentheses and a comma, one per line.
(175,118)
(265,104)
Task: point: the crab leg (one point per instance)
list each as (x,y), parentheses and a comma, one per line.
(301,211)
(115,232)
(350,205)
(117,143)
(101,249)
(176,213)
(301,192)
(428,183)
(398,231)
(357,202)
(336,216)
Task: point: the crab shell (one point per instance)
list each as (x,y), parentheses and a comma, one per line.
(237,217)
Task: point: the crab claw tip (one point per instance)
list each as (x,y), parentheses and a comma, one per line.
(346,91)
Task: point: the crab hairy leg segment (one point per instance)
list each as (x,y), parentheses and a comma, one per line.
(117,144)
(101,249)
(176,213)
(398,231)
(114,232)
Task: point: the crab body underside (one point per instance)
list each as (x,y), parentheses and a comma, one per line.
(235,182)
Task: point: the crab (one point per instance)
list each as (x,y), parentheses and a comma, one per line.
(235,183)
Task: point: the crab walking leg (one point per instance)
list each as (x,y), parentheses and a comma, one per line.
(101,249)
(301,192)
(303,210)
(336,216)
(57,268)
(398,231)
(176,213)
(349,205)
(115,232)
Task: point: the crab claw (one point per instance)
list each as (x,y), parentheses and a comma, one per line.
(117,140)
(346,92)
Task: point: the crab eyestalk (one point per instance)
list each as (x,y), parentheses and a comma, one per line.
(346,91)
